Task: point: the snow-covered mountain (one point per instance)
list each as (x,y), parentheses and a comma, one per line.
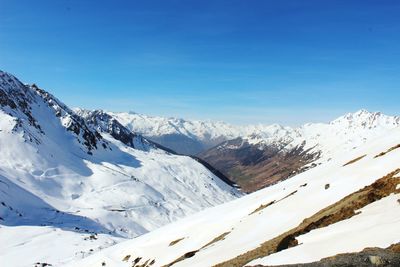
(350,129)
(67,178)
(183,136)
(345,205)
(105,123)
(255,156)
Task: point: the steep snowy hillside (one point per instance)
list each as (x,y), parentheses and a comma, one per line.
(256,156)
(340,206)
(58,171)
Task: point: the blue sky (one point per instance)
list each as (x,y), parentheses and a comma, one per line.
(285,61)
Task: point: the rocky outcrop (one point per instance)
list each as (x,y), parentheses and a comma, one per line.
(23,101)
(103,122)
(369,257)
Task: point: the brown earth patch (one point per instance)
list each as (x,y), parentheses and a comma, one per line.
(183,257)
(136,261)
(285,197)
(395,248)
(192,253)
(126,258)
(262,206)
(175,242)
(354,160)
(368,257)
(218,238)
(387,151)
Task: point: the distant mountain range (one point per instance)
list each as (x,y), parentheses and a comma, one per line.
(256,156)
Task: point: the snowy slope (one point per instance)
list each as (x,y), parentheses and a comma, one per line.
(276,212)
(57,170)
(342,134)
(28,245)
(380,220)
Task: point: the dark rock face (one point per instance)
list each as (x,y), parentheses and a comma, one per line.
(19,101)
(253,167)
(15,96)
(103,122)
(389,257)
(6,101)
(77,123)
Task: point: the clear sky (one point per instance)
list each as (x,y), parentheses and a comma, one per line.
(247,61)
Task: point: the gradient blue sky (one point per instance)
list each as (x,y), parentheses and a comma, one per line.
(240,61)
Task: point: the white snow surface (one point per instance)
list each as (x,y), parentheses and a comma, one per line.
(27,245)
(295,201)
(58,172)
(376,226)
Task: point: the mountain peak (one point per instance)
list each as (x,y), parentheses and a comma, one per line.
(366,119)
(39,113)
(105,123)
(366,113)
(363,111)
(4,74)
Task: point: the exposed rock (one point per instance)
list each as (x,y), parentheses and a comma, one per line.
(18,100)
(369,257)
(103,122)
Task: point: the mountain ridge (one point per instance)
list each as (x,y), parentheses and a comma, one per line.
(153,126)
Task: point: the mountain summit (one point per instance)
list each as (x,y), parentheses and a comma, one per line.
(365,119)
